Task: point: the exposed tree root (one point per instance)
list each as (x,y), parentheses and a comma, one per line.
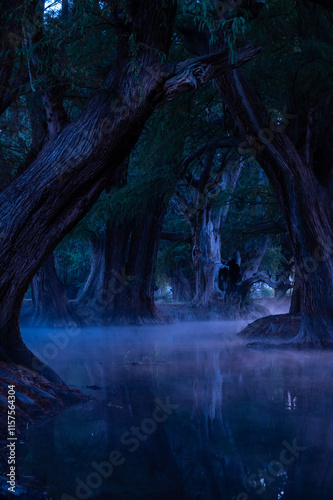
(36,398)
(286,327)
(280,326)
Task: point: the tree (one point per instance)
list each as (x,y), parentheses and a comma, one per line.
(210,217)
(295,161)
(121,283)
(50,305)
(53,193)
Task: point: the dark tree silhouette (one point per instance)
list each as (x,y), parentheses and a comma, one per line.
(53,193)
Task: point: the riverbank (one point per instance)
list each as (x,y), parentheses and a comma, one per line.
(35,398)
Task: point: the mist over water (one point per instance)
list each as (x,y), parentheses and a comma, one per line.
(190,410)
(274,306)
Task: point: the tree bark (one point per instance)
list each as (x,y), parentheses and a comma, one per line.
(53,194)
(50,305)
(182,286)
(120,286)
(305,203)
(207,235)
(254,253)
(135,303)
(49,198)
(295,304)
(98,301)
(261,277)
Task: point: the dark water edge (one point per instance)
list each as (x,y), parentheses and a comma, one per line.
(182,411)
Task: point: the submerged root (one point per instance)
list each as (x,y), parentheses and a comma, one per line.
(291,344)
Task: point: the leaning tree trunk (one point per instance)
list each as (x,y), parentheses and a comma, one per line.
(53,194)
(61,185)
(305,203)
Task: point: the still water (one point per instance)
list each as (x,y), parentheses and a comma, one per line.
(183,411)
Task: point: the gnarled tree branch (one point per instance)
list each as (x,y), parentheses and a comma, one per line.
(194,73)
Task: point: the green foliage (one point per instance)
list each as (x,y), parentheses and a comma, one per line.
(73,261)
(207,17)
(253,204)
(15,141)
(274,262)
(73,56)
(298,42)
(172,259)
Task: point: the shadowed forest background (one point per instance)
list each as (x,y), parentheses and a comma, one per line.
(162,161)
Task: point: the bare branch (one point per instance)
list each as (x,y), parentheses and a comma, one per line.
(263,278)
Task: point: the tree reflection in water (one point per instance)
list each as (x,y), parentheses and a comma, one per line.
(237,410)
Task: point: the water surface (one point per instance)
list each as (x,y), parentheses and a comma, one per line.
(183,411)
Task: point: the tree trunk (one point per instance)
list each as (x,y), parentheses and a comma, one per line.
(182,286)
(50,197)
(61,185)
(254,253)
(251,261)
(207,235)
(295,304)
(261,277)
(98,301)
(135,303)
(206,256)
(120,287)
(49,300)
(305,203)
